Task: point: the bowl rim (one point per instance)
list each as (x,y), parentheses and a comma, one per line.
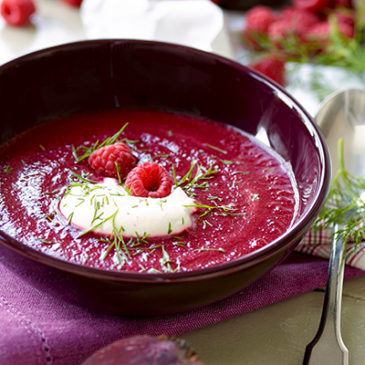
(287,239)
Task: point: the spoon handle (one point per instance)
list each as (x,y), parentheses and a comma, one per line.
(327,347)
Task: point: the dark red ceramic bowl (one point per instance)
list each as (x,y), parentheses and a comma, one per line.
(104,74)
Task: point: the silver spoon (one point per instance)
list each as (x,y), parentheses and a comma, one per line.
(342,115)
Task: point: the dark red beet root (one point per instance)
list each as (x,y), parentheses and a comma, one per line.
(140,350)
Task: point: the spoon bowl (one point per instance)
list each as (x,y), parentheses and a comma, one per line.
(342,115)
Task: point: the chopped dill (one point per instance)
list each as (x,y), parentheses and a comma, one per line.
(206,223)
(50,216)
(83,152)
(197,180)
(166,155)
(215,148)
(211,197)
(178,243)
(82,178)
(117,168)
(48,242)
(222,209)
(242,172)
(7,169)
(227,162)
(211,249)
(69,218)
(81,201)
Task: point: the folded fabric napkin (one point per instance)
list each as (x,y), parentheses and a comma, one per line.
(318,243)
(41,322)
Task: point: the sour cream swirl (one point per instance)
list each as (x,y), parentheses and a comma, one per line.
(107,208)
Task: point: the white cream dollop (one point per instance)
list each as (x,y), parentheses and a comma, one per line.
(106,207)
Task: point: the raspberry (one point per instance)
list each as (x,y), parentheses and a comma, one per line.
(17,12)
(292,22)
(272,67)
(344,17)
(279,31)
(75,3)
(297,15)
(149,180)
(343,4)
(104,160)
(321,33)
(257,22)
(311,5)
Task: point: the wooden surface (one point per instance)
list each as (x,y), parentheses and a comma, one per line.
(278,334)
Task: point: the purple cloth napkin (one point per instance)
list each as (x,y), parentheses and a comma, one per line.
(40,325)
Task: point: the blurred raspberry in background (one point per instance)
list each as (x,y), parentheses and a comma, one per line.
(322,31)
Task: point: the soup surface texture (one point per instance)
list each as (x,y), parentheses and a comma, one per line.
(241,195)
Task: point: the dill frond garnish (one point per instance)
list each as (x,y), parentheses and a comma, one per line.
(345,204)
(82,178)
(7,169)
(83,152)
(215,148)
(227,162)
(48,242)
(196,177)
(222,209)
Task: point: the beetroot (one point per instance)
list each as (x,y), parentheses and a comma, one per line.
(140,350)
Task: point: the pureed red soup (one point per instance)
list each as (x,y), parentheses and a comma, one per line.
(243,196)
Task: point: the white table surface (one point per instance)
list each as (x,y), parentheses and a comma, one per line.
(276,334)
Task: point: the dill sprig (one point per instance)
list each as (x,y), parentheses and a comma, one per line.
(341,51)
(83,152)
(82,178)
(196,177)
(7,169)
(42,240)
(344,204)
(215,148)
(223,209)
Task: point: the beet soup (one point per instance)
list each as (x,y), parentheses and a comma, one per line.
(238,195)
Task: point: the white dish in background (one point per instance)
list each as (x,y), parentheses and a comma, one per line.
(194,23)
